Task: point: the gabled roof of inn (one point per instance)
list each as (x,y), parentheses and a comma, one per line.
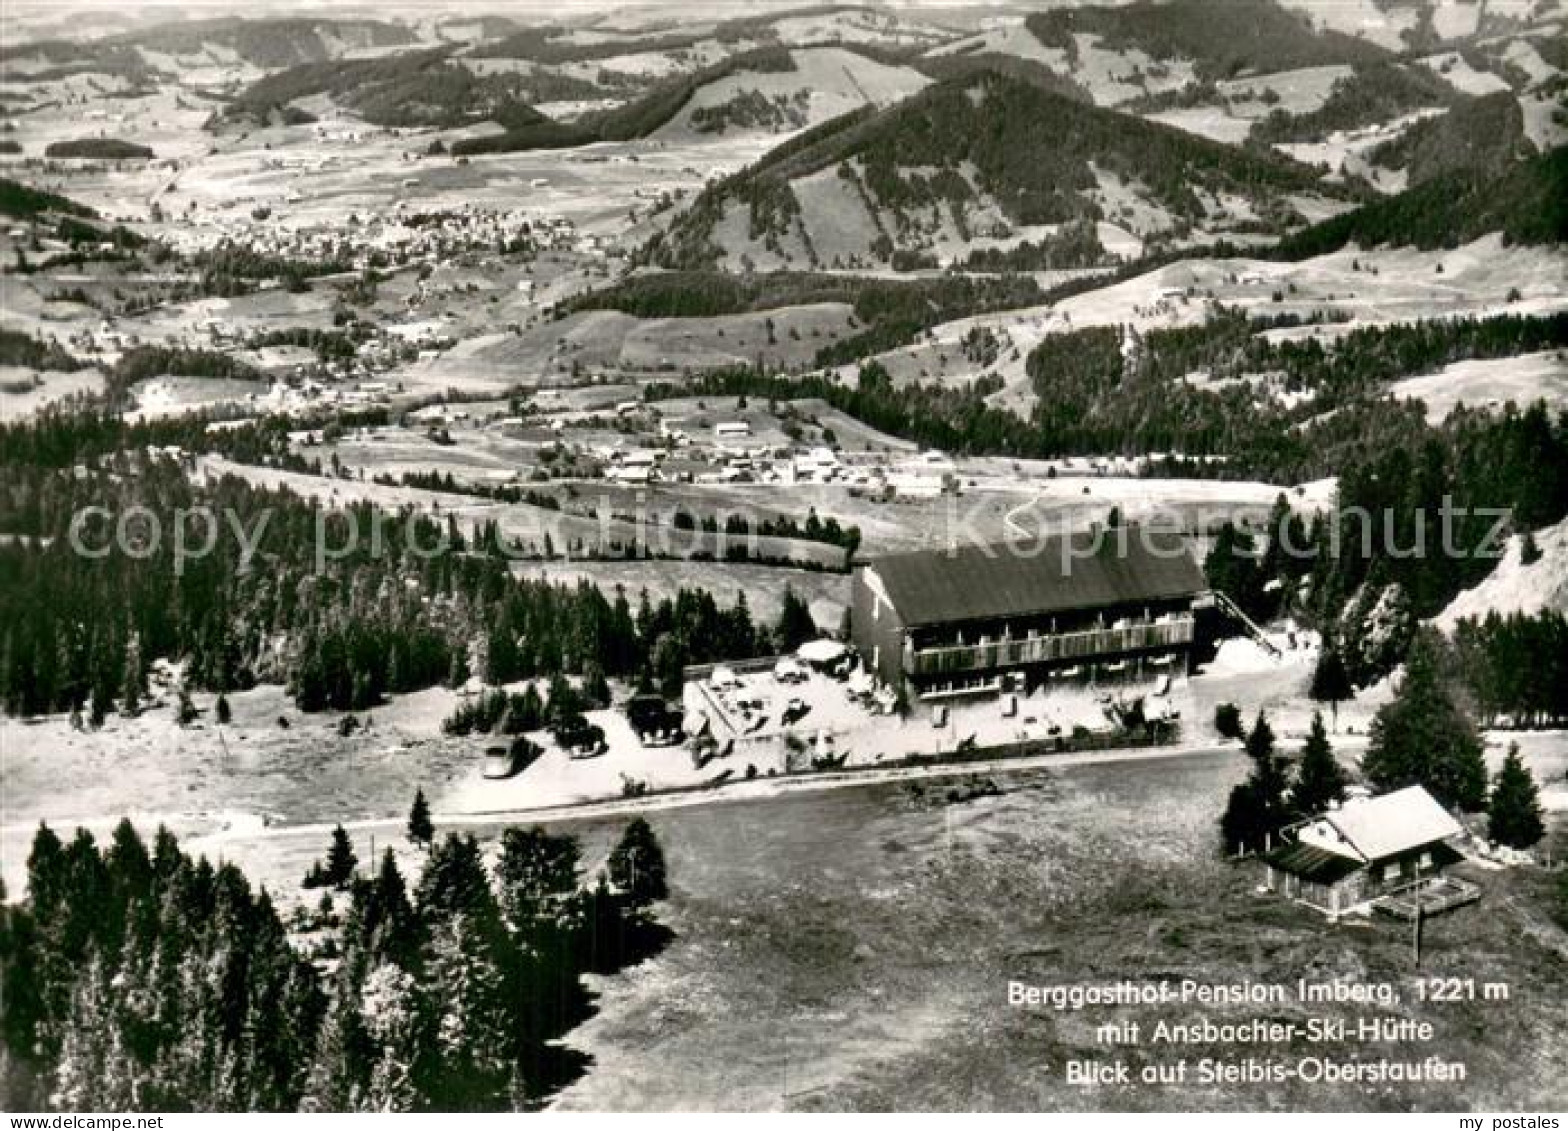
(1091,569)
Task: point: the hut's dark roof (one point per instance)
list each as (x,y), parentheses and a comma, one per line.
(1311,863)
(1320,866)
(1040,575)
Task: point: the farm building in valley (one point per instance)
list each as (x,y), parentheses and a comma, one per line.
(1112,605)
(1386,852)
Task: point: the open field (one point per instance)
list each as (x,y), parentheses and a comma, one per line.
(608,341)
(853,950)
(599,529)
(1346,289)
(264,794)
(1491,384)
(827,594)
(24,392)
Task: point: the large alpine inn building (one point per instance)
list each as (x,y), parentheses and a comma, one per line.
(1108,605)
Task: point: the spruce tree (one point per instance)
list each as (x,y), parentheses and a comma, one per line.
(421,830)
(454,882)
(1320,781)
(221,709)
(1256,809)
(636,865)
(396,1036)
(1232,567)
(1423,737)
(535,869)
(131,685)
(1514,811)
(1331,682)
(382,923)
(339,1073)
(795,626)
(98,707)
(596,688)
(470,1068)
(1260,739)
(341,860)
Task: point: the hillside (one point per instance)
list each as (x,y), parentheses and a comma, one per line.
(886,311)
(820,83)
(818,25)
(51,215)
(1479,133)
(26,202)
(416,88)
(1526,202)
(1367,96)
(988,160)
(258,44)
(765,90)
(1517,586)
(1218,41)
(271,44)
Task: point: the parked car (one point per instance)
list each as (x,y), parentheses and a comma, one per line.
(655,722)
(576,735)
(505,761)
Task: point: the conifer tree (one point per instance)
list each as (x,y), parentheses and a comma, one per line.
(795,626)
(1260,739)
(131,684)
(339,1072)
(454,882)
(395,1035)
(421,830)
(1331,682)
(596,688)
(185,710)
(472,1036)
(1256,810)
(535,869)
(636,865)
(99,706)
(1514,810)
(80,1072)
(1423,737)
(1320,780)
(341,860)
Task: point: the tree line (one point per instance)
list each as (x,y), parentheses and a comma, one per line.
(1516,666)
(81,633)
(140,977)
(1423,737)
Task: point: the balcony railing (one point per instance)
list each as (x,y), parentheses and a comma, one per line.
(1021,650)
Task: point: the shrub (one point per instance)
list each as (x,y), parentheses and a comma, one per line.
(1227,720)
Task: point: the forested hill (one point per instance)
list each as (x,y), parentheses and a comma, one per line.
(414,88)
(1366,97)
(635,119)
(979,155)
(1478,133)
(265,44)
(1222,40)
(1527,202)
(270,43)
